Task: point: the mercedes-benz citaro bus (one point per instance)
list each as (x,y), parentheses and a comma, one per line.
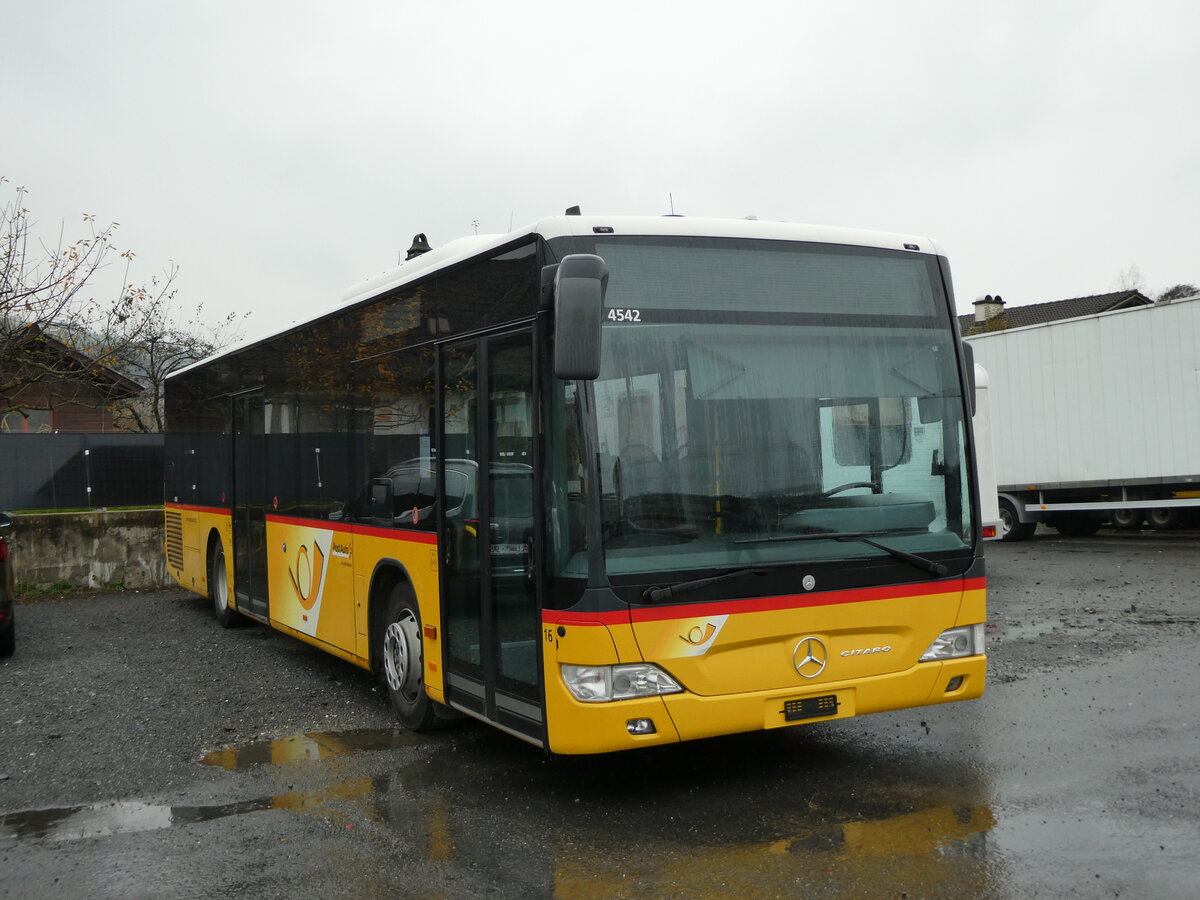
(605,482)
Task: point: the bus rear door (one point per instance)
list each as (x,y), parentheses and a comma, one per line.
(249,504)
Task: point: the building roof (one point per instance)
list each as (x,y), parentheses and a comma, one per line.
(1039,313)
(75,360)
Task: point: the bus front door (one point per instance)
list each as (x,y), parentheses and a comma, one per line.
(489,611)
(249,504)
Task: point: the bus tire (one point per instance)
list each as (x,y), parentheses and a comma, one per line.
(1011,527)
(218,588)
(403,662)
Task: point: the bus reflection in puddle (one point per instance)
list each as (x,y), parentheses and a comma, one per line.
(941,849)
(932,852)
(882,849)
(309,746)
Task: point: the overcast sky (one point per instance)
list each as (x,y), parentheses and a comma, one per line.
(280,152)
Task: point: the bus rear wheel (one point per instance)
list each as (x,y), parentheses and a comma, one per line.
(404,662)
(218,588)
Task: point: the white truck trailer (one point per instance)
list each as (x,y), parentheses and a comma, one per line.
(1096,419)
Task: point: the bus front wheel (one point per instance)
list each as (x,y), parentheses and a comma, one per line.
(404,662)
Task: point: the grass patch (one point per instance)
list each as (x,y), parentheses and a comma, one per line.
(61,586)
(80,509)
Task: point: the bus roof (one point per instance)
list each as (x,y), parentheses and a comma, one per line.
(664,226)
(462,249)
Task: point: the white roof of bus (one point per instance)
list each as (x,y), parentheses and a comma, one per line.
(564,226)
(681,226)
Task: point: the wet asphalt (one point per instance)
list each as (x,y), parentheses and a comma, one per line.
(145,752)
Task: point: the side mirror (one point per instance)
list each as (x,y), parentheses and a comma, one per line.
(579,286)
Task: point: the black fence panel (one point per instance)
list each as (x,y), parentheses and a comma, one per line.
(80,471)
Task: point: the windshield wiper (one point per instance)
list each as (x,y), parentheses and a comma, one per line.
(655,594)
(927,565)
(864,537)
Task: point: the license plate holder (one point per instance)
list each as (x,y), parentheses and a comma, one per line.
(810,708)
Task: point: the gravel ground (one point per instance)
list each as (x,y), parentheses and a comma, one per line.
(1059,602)
(108,693)
(115,699)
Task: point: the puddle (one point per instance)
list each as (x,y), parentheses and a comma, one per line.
(858,837)
(305,747)
(942,849)
(74,823)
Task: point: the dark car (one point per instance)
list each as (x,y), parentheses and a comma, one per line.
(8,632)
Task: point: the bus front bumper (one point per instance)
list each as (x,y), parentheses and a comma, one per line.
(577,727)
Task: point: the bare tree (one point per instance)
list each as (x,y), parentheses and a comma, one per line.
(1178,292)
(164,346)
(1130,279)
(48,296)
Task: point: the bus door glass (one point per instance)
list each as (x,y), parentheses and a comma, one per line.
(490,611)
(249,506)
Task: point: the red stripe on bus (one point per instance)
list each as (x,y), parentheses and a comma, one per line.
(413,537)
(761,604)
(211,510)
(564,617)
(398,534)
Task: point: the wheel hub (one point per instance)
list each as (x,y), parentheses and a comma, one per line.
(402,656)
(221,584)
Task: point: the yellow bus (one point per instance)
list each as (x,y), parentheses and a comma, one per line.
(605,482)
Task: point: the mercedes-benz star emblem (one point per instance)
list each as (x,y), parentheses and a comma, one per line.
(809,657)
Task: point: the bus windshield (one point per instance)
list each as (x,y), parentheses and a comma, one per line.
(755,396)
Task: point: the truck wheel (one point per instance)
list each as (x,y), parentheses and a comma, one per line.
(1076,524)
(1011,526)
(1127,519)
(1162,519)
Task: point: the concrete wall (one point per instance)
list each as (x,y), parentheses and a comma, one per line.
(90,550)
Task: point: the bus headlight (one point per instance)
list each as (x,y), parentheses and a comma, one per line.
(955,642)
(599,684)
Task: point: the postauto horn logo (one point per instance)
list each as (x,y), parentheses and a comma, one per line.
(306,571)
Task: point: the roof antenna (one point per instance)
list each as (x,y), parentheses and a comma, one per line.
(671,197)
(573,211)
